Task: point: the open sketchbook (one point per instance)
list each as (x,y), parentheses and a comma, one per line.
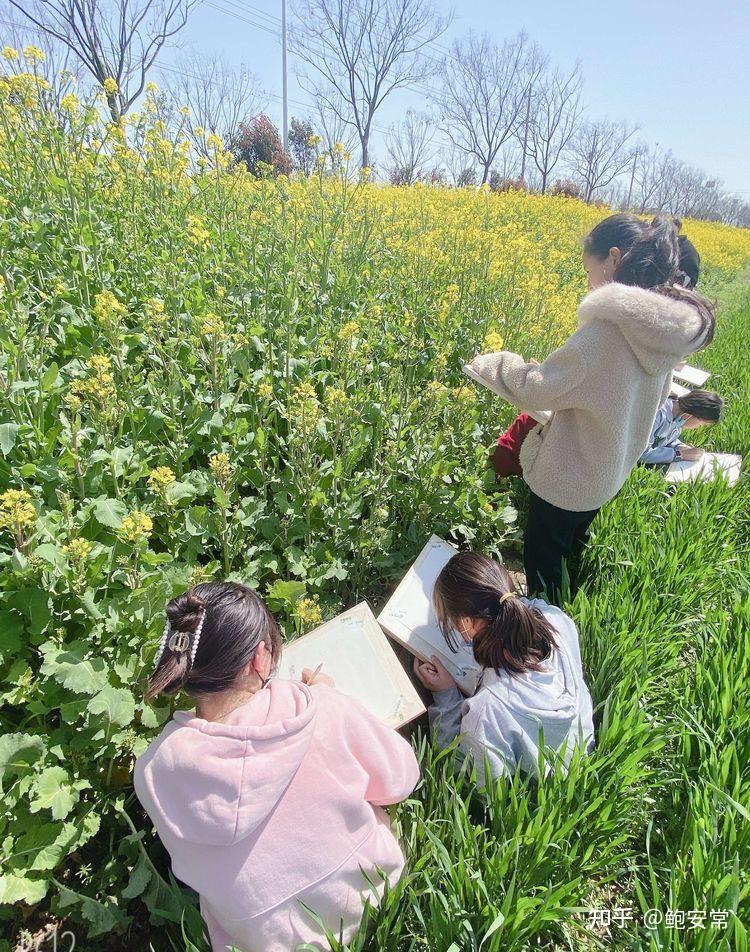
(356,654)
(707,467)
(693,376)
(409,616)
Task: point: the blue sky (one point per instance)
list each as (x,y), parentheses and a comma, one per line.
(680,70)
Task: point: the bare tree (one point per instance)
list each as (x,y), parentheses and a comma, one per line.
(410,147)
(484,94)
(333,126)
(556,111)
(358,52)
(599,152)
(115,40)
(221,97)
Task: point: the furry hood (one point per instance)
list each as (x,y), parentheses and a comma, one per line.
(658,329)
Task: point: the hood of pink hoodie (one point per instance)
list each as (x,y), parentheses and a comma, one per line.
(218,782)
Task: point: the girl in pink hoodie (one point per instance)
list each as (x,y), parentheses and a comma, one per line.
(268,795)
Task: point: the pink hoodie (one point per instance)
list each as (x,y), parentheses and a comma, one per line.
(278,806)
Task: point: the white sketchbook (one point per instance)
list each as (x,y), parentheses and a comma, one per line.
(678,390)
(409,617)
(693,376)
(356,654)
(706,468)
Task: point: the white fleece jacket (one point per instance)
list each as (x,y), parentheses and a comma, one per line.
(604,386)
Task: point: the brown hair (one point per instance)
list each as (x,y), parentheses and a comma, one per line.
(651,259)
(235,621)
(515,638)
(702,404)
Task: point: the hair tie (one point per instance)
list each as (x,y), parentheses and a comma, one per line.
(504,598)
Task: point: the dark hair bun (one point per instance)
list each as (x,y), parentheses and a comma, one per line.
(653,259)
(184,612)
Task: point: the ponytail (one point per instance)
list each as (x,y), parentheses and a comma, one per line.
(515,637)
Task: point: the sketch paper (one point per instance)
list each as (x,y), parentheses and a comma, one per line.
(356,654)
(706,468)
(678,390)
(692,375)
(409,617)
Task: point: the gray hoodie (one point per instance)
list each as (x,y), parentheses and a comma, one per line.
(604,386)
(502,721)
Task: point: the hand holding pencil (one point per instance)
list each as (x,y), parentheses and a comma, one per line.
(316,677)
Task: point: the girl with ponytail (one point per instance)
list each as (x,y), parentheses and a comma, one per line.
(268,795)
(532,683)
(600,390)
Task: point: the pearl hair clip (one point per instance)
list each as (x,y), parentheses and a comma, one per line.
(180,641)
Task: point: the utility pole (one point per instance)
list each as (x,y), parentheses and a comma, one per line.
(285,105)
(526,134)
(632,177)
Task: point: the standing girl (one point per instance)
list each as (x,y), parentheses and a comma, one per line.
(603,386)
(532,681)
(268,795)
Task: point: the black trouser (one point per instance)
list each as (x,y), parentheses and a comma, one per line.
(554,537)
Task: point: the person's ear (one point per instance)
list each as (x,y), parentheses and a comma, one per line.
(616,255)
(262,661)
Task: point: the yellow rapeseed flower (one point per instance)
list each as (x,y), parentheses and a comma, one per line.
(308,610)
(32,54)
(78,550)
(110,86)
(9,53)
(221,468)
(16,510)
(493,342)
(107,309)
(136,527)
(160,478)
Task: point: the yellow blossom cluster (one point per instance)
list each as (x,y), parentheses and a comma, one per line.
(16,510)
(135,528)
(305,409)
(78,550)
(308,610)
(221,467)
(159,480)
(95,392)
(107,309)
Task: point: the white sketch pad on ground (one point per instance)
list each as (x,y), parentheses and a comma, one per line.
(410,619)
(678,390)
(356,654)
(706,468)
(692,375)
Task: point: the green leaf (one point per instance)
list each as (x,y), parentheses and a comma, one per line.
(116,703)
(14,888)
(18,752)
(53,791)
(178,491)
(287,593)
(50,377)
(11,630)
(52,554)
(140,876)
(109,512)
(76,673)
(8,433)
(101,916)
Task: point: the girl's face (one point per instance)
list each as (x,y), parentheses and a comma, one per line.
(692,422)
(600,270)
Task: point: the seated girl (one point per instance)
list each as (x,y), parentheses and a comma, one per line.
(694,409)
(532,672)
(268,795)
